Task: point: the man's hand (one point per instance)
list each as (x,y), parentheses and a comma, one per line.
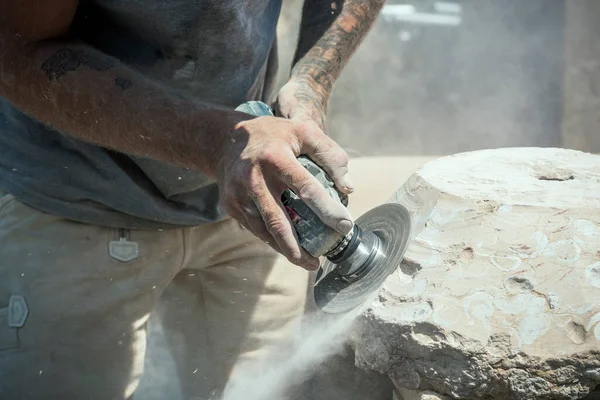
(301,100)
(261,163)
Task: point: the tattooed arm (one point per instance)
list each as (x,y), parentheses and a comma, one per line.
(330,32)
(93,97)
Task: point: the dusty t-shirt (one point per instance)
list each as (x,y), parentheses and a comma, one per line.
(221,51)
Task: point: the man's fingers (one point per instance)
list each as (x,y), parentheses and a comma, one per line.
(327,154)
(250,218)
(310,191)
(278,225)
(257,227)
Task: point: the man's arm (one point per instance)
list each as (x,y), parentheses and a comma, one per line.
(93,97)
(330,32)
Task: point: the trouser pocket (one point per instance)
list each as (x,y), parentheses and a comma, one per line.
(12,318)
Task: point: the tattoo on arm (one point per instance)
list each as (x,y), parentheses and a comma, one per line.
(317,17)
(322,63)
(65,61)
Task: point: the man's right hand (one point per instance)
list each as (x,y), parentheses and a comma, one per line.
(258,162)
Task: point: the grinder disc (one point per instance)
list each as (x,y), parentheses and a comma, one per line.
(335,293)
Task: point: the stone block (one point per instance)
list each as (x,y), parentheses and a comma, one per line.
(499,293)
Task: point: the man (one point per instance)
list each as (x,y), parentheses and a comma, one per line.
(126,176)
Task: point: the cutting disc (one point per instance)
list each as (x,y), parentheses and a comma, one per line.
(335,293)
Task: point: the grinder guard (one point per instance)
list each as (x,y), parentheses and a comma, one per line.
(346,286)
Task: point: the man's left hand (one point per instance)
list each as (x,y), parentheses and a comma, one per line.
(300,100)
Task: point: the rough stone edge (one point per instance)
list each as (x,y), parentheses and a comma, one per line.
(459,368)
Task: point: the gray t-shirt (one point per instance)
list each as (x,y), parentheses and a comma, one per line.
(221,51)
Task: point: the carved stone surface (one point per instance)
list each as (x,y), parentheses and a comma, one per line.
(499,294)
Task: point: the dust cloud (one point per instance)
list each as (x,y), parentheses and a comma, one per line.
(269,378)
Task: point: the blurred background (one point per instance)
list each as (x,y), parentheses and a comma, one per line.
(439,77)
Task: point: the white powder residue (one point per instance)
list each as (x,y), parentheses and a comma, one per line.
(270,377)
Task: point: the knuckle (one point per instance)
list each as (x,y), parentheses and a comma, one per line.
(329,216)
(309,126)
(339,169)
(326,145)
(307,190)
(337,162)
(329,148)
(289,172)
(328,213)
(306,129)
(335,159)
(341,158)
(295,256)
(271,155)
(296,259)
(276,226)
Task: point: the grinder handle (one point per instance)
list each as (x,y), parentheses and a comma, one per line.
(315,237)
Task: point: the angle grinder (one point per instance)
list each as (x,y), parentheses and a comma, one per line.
(357,263)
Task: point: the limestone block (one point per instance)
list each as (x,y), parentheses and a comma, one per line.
(499,293)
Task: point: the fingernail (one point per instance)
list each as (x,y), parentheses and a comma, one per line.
(348,182)
(344,226)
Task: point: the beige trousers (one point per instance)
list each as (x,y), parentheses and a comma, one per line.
(75,300)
